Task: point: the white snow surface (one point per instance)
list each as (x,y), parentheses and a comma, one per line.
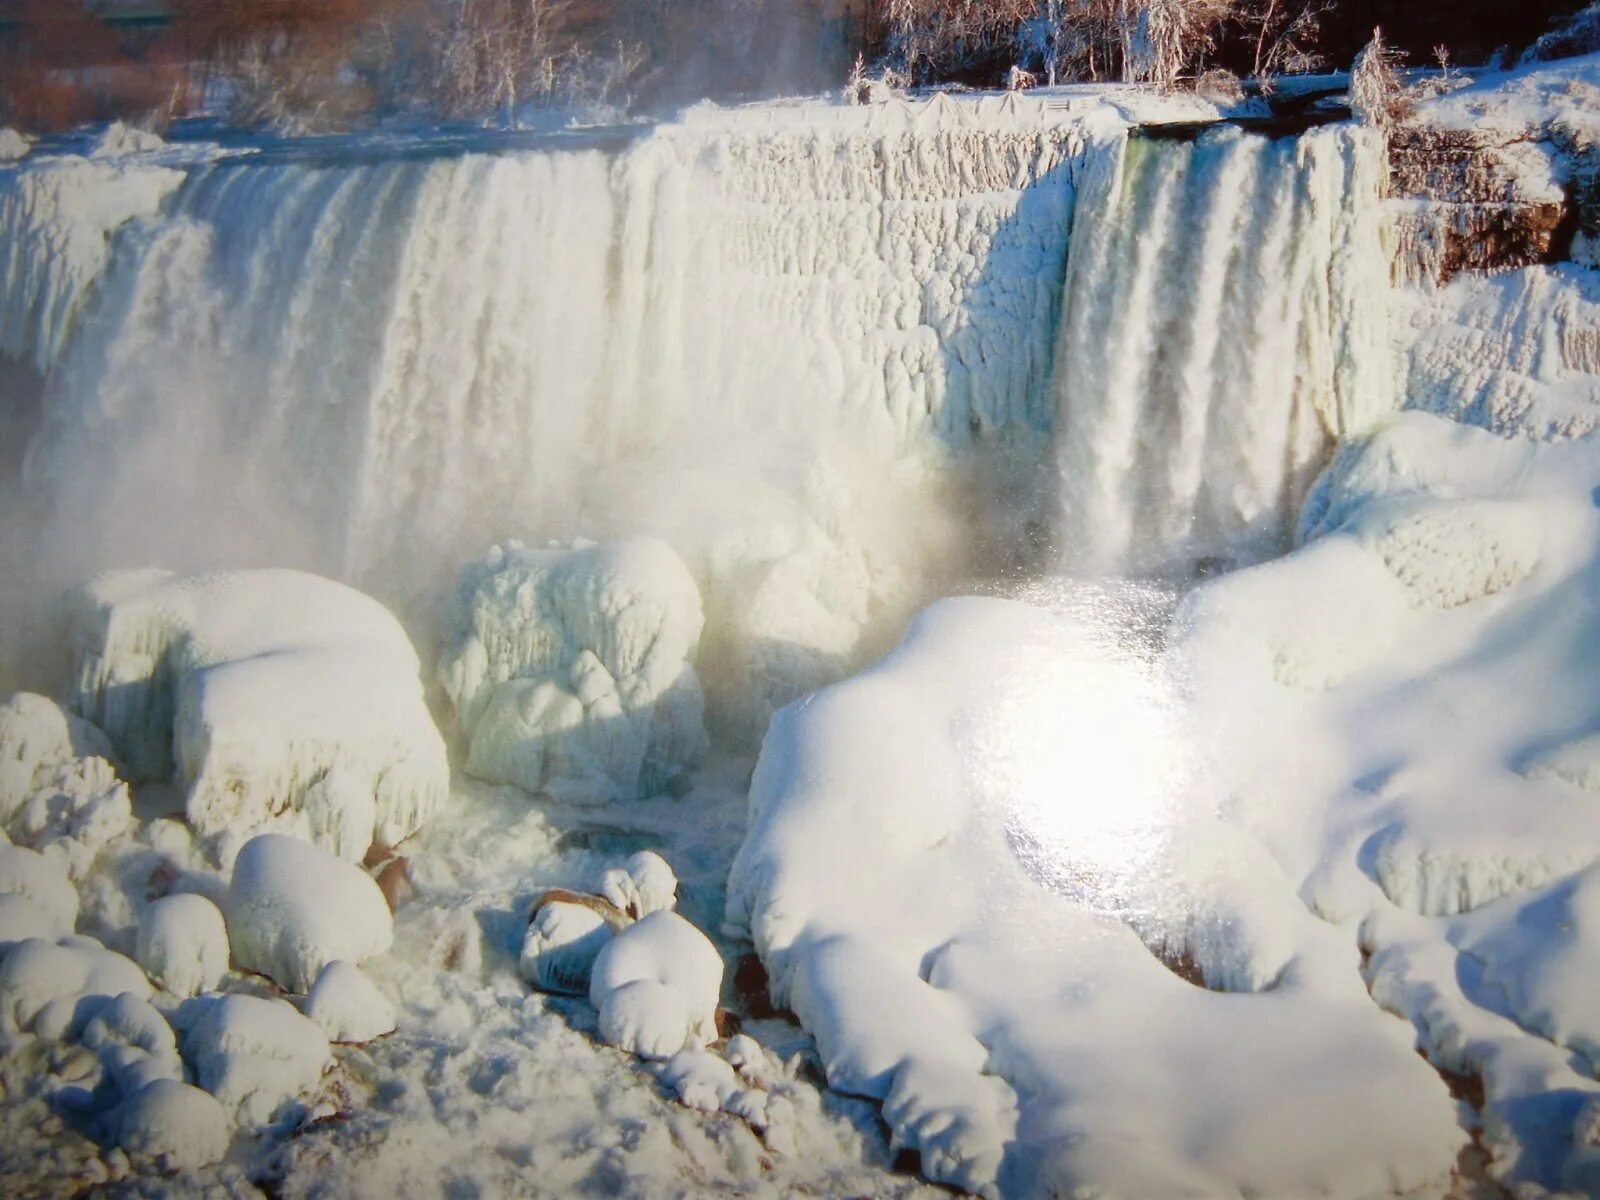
(183,944)
(293,908)
(274,698)
(571,669)
(961,867)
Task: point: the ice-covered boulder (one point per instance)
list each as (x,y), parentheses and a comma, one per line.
(701,1080)
(183,944)
(255,1055)
(566,932)
(43,985)
(571,668)
(293,908)
(134,1043)
(276,699)
(38,898)
(36,734)
(645,885)
(656,985)
(348,1006)
(173,1127)
(13,144)
(119,139)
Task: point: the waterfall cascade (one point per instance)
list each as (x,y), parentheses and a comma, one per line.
(824,358)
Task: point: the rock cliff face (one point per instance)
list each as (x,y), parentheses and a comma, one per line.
(1465,200)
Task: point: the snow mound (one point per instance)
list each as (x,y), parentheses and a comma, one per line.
(348,1006)
(43,985)
(13,145)
(183,944)
(656,986)
(1000,820)
(173,1127)
(254,1055)
(120,139)
(571,668)
(704,1081)
(31,879)
(276,699)
(293,908)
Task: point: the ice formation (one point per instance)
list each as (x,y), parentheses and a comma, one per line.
(13,144)
(293,908)
(567,930)
(40,900)
(255,1055)
(999,821)
(43,985)
(645,884)
(347,1005)
(183,944)
(571,669)
(135,1046)
(276,699)
(173,1126)
(656,986)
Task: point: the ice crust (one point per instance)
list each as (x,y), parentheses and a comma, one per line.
(995,823)
(571,669)
(274,698)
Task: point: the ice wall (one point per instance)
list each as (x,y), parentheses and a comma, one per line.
(1225,323)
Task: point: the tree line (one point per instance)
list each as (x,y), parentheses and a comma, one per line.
(311,64)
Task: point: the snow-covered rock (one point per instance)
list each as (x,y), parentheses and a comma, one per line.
(28,878)
(183,944)
(119,139)
(43,985)
(293,908)
(255,1055)
(643,886)
(173,1127)
(705,1081)
(566,932)
(656,986)
(571,669)
(348,1006)
(134,1043)
(276,699)
(13,144)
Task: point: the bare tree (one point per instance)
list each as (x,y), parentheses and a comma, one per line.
(1377,96)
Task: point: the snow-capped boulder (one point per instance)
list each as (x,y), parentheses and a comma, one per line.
(183,944)
(38,893)
(656,985)
(43,985)
(293,908)
(173,1127)
(571,668)
(255,1055)
(275,699)
(645,885)
(348,1006)
(134,1043)
(13,145)
(566,932)
(703,1081)
(119,139)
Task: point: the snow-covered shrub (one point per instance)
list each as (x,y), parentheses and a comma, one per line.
(1377,96)
(183,944)
(1578,34)
(293,908)
(571,668)
(656,985)
(262,693)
